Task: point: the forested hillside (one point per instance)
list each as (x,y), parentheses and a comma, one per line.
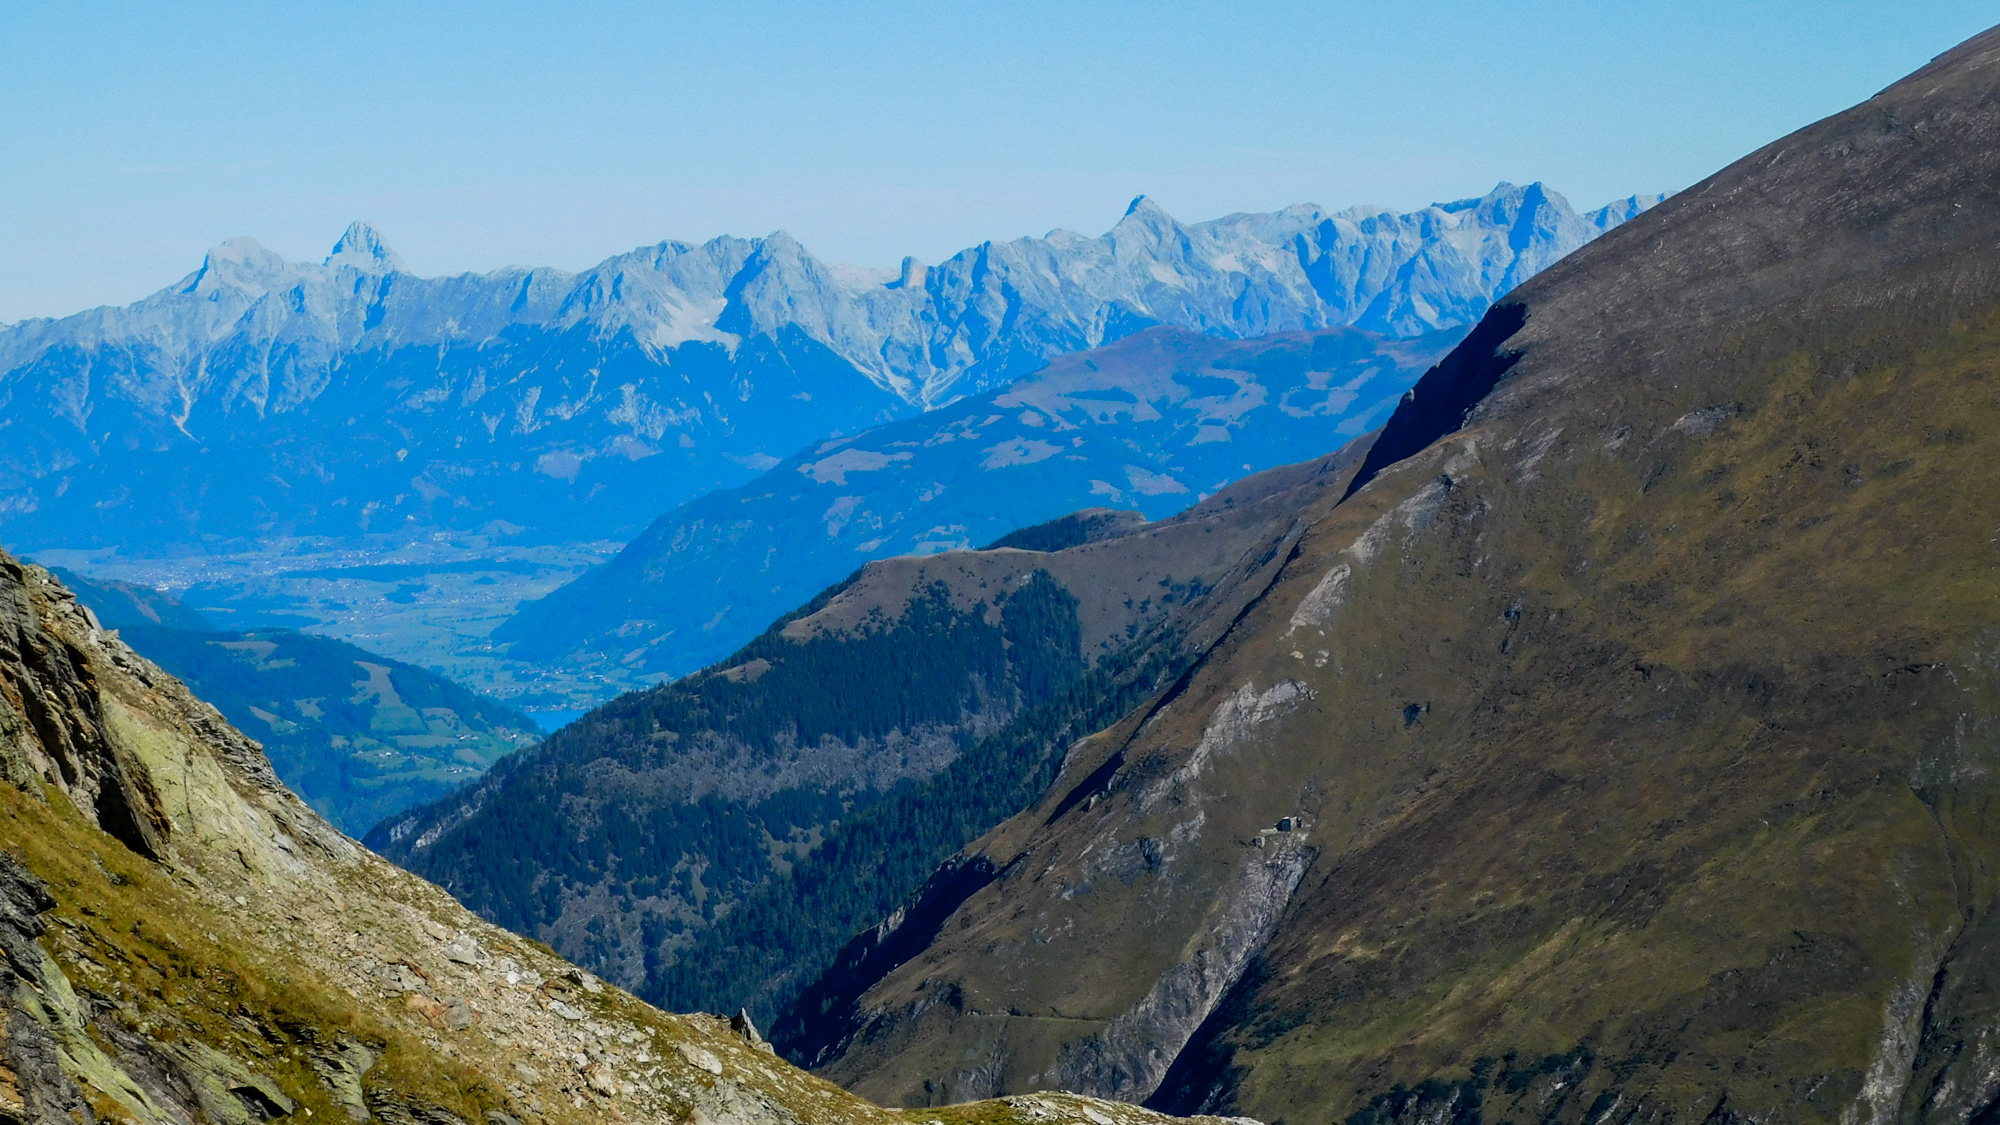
(716,840)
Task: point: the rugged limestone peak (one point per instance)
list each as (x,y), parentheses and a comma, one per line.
(238,263)
(1616,750)
(361,248)
(182,941)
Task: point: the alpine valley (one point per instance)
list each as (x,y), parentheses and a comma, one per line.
(1485,664)
(183,942)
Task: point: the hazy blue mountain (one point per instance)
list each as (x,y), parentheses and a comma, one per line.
(260,397)
(1151,423)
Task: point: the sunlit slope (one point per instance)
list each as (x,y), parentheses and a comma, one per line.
(1627,753)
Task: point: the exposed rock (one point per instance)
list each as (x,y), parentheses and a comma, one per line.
(700,1059)
(458,1015)
(743,1025)
(466,950)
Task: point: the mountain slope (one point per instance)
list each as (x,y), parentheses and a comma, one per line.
(261,398)
(1160,418)
(1624,753)
(713,841)
(358,736)
(182,941)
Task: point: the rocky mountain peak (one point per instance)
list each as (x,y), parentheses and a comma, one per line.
(362,248)
(1143,204)
(238,263)
(1145,214)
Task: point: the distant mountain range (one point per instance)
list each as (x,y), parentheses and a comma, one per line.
(1150,424)
(259,397)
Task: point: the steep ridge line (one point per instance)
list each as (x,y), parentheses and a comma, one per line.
(1442,398)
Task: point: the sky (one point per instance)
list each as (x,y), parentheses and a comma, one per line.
(474,136)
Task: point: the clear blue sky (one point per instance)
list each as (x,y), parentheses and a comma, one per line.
(479,135)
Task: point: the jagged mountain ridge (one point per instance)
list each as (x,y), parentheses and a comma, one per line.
(712,842)
(260,397)
(1151,422)
(1622,752)
(183,942)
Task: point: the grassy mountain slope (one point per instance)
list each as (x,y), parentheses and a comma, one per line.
(182,941)
(1626,752)
(358,736)
(712,842)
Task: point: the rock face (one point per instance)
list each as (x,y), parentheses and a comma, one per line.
(712,842)
(1620,749)
(260,397)
(182,941)
(1152,423)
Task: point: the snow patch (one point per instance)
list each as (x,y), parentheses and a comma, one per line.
(1019,451)
(1148,483)
(833,470)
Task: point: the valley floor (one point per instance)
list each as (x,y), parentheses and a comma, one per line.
(432,602)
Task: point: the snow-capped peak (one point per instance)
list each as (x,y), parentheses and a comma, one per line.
(362,248)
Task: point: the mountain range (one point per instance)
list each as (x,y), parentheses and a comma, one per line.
(260,398)
(1611,737)
(1149,424)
